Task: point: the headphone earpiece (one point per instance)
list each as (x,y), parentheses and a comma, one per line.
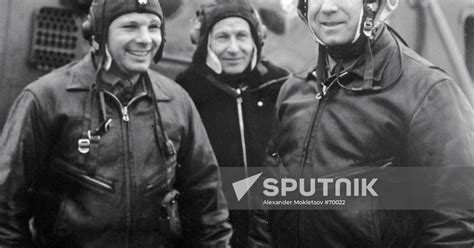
(261,28)
(160,51)
(302,10)
(87,30)
(262,33)
(195,32)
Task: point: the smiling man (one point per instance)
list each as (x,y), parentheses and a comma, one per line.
(107,153)
(234,88)
(371,102)
(231,41)
(134,57)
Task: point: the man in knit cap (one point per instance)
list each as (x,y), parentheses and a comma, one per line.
(107,153)
(234,89)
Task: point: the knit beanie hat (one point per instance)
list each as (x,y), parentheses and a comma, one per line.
(103,12)
(223,9)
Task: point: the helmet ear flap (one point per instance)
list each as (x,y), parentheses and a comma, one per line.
(87,28)
(302,10)
(261,28)
(159,53)
(376,11)
(198,19)
(386,8)
(195,32)
(262,32)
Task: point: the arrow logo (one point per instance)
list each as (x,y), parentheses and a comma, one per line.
(241,187)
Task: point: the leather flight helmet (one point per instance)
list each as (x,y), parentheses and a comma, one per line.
(209,14)
(103,12)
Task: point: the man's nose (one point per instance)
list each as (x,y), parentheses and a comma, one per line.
(233,45)
(143,36)
(329,6)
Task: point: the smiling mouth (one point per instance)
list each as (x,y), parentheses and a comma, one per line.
(331,24)
(139,53)
(232,59)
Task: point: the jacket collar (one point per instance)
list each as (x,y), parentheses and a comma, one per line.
(160,92)
(386,58)
(83,76)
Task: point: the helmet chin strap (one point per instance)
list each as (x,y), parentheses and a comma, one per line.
(354,49)
(108,58)
(361,17)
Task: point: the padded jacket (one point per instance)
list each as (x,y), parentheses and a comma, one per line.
(149,178)
(414,116)
(218,100)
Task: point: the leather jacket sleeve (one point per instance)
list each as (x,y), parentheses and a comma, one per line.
(441,134)
(23,145)
(202,204)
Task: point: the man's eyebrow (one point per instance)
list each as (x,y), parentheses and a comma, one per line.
(242,31)
(125,22)
(220,32)
(156,21)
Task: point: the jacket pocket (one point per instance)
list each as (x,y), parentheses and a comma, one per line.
(164,179)
(380,163)
(364,168)
(157,183)
(68,170)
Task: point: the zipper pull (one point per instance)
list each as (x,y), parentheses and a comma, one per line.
(325,89)
(239,98)
(125,116)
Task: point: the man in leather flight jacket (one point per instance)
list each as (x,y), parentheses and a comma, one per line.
(107,153)
(370,101)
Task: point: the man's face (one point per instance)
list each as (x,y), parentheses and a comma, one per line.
(335,22)
(232,42)
(133,41)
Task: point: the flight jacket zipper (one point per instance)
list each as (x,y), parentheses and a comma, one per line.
(128,160)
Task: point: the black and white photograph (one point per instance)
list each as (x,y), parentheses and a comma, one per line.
(236,123)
